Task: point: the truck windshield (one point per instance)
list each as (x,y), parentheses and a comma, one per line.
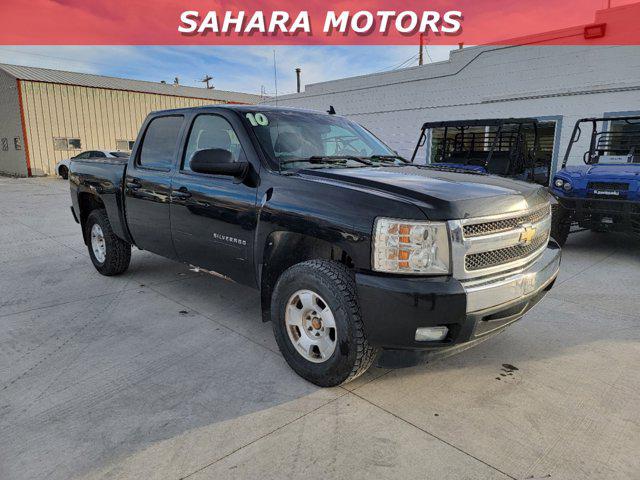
(306,140)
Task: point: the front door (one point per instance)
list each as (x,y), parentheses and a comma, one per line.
(148,185)
(213,217)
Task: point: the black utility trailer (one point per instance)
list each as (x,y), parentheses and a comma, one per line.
(509,147)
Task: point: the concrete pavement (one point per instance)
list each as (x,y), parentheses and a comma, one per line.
(165,373)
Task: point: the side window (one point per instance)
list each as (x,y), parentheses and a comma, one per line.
(160,142)
(83,155)
(97,154)
(211,131)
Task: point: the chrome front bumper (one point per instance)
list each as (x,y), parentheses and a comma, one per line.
(500,291)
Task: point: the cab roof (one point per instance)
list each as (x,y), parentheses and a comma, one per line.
(486,122)
(238,108)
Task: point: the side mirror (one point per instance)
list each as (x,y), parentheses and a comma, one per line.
(217,161)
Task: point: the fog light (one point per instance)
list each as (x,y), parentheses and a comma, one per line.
(431,334)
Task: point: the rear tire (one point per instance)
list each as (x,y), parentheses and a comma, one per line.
(331,301)
(109,253)
(560,224)
(63,172)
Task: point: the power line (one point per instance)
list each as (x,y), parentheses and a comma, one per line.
(426,50)
(395,67)
(56,58)
(407,61)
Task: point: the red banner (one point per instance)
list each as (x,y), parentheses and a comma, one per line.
(198,22)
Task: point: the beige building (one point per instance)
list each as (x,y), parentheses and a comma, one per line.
(49,115)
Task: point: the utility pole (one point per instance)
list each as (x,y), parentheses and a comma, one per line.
(275,75)
(207,79)
(420,59)
(298,70)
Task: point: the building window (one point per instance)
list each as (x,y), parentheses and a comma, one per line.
(67,144)
(124,145)
(5,144)
(17,143)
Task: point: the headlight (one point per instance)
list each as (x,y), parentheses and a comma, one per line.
(567,186)
(403,246)
(559,182)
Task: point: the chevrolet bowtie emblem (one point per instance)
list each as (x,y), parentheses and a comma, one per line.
(526,237)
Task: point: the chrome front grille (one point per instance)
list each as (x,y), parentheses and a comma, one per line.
(492,245)
(503,225)
(478,261)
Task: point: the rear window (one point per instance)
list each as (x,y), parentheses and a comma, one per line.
(160,142)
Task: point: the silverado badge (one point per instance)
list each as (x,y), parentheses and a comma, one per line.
(527,234)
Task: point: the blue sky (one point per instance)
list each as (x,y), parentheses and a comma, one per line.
(244,69)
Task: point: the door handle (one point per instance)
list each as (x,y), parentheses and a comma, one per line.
(182,193)
(133,184)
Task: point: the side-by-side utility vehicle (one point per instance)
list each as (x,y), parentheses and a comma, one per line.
(509,147)
(603,194)
(359,255)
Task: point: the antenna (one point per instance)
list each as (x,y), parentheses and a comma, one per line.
(275,75)
(207,79)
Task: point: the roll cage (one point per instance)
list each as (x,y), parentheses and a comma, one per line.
(607,143)
(499,146)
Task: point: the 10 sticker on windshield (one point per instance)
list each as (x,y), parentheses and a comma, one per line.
(257,119)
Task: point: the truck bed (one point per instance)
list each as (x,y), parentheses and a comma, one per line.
(105,177)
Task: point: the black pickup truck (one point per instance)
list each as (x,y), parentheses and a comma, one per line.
(359,255)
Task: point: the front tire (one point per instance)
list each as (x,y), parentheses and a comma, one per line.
(317,323)
(63,172)
(109,253)
(560,224)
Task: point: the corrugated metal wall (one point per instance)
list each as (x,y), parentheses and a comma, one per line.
(98,117)
(12,161)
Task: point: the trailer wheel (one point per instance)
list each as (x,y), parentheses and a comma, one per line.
(560,224)
(317,323)
(109,253)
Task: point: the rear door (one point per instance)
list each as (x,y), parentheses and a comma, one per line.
(148,185)
(213,217)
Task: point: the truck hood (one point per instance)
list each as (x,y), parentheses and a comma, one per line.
(441,194)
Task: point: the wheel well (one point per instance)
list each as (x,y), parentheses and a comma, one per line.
(285,249)
(87,202)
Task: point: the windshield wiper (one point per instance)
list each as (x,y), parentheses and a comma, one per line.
(328,159)
(390,158)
